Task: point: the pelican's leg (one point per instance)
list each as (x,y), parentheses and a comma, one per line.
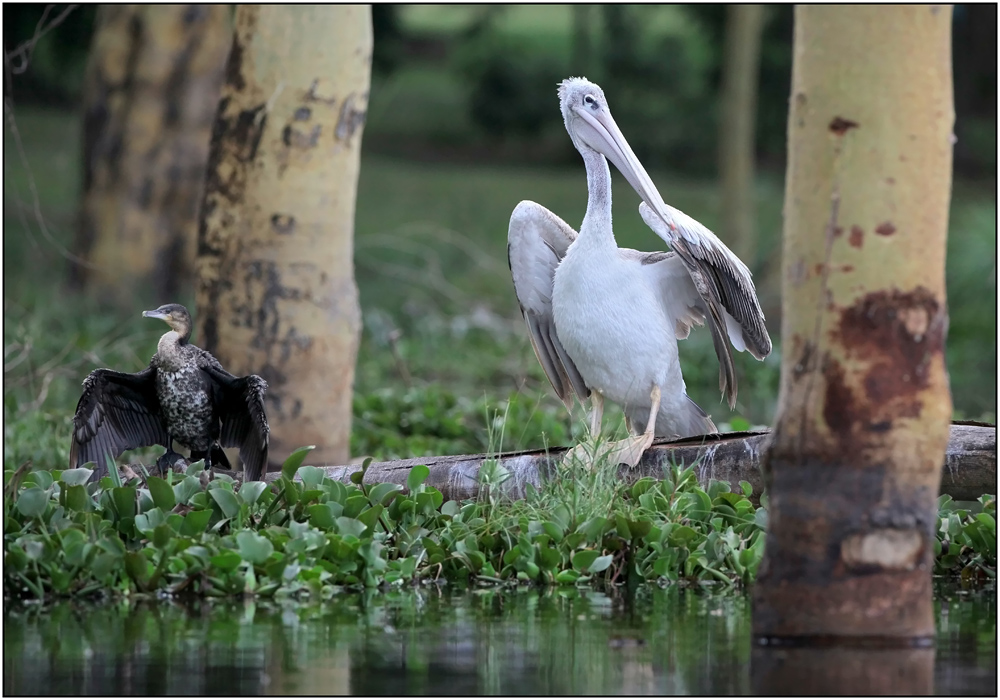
(630,450)
(585,452)
(596,414)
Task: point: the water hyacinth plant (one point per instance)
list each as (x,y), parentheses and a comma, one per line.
(307,535)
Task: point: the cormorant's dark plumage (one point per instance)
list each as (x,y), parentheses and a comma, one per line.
(184,395)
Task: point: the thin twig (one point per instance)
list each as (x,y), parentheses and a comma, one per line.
(8,109)
(24,50)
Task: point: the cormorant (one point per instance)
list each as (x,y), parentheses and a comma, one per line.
(183,395)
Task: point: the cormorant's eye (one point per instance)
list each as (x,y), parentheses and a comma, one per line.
(589,100)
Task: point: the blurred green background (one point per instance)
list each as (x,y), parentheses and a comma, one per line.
(463,123)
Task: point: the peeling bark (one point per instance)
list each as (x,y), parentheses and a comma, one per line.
(276,293)
(854,462)
(970,465)
(151,87)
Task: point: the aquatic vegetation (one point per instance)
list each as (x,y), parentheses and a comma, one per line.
(187,533)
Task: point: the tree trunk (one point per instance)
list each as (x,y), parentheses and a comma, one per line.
(737,123)
(276,260)
(854,461)
(151,89)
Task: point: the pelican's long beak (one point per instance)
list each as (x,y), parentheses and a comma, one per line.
(600,132)
(155,314)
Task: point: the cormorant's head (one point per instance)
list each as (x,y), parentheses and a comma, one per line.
(176,316)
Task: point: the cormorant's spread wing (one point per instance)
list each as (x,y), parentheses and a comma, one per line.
(117,412)
(537,241)
(240,402)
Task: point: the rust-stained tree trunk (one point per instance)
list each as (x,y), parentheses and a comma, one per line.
(738,105)
(151,89)
(277,295)
(854,464)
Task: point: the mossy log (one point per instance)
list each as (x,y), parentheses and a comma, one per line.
(969,471)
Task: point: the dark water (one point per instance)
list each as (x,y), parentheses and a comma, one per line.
(658,641)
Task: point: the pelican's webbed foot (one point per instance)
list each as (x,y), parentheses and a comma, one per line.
(627,451)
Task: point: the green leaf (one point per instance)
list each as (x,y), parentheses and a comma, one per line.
(162,535)
(746,488)
(350,526)
(250,491)
(194,469)
(186,488)
(600,564)
(760,518)
(416,477)
(227,501)
(253,547)
(322,515)
(583,559)
(715,487)
(552,530)
(355,504)
(621,525)
(42,479)
(681,536)
(32,502)
(383,493)
(294,461)
(148,521)
(567,576)
(162,493)
(76,477)
(77,499)
(137,567)
(987,520)
(226,561)
(370,516)
(195,522)
(312,477)
(594,528)
(124,498)
(116,478)
(639,528)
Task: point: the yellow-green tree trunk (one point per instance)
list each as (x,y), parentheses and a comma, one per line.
(277,295)
(738,117)
(152,84)
(864,407)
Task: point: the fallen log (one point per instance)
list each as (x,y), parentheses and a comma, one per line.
(969,470)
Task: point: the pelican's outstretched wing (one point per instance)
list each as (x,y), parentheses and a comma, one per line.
(536,241)
(723,283)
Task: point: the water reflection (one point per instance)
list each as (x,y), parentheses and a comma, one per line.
(658,641)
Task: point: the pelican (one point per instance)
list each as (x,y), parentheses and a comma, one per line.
(604,321)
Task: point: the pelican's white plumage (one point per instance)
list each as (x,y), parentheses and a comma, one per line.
(604,321)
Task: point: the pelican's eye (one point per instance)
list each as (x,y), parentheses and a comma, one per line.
(589,100)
